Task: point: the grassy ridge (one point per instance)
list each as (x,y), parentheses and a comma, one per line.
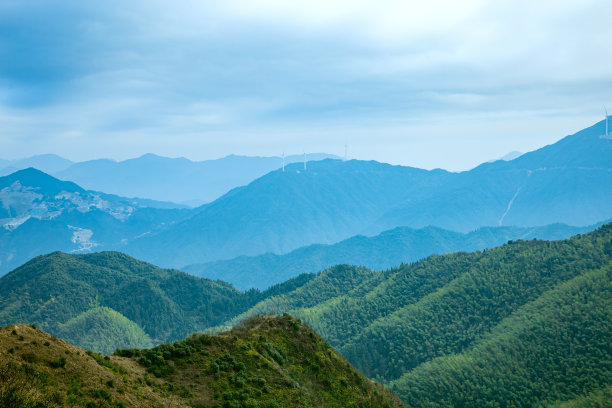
(269,362)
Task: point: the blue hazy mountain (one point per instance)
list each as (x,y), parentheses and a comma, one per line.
(568,182)
(40,214)
(174,179)
(330,201)
(390,248)
(49,163)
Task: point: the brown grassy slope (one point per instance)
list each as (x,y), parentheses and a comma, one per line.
(38,368)
(267,362)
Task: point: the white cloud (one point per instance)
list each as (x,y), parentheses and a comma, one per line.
(240,76)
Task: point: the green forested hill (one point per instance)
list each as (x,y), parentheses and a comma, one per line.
(58,292)
(596,399)
(321,287)
(104,330)
(440,330)
(552,349)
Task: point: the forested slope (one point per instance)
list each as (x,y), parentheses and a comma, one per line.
(474,312)
(59,291)
(553,349)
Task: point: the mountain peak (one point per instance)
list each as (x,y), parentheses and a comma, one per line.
(32,177)
(152,157)
(585,149)
(49,163)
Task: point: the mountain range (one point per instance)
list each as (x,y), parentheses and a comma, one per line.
(49,163)
(567,182)
(523,324)
(41,214)
(160,178)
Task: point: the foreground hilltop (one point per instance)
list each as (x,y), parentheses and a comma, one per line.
(266,362)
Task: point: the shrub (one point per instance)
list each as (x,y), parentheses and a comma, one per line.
(59,363)
(101,393)
(29,357)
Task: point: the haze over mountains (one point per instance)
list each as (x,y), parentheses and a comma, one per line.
(41,214)
(175,257)
(383,251)
(508,156)
(568,182)
(460,329)
(159,178)
(49,163)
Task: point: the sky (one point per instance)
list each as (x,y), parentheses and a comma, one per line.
(428,84)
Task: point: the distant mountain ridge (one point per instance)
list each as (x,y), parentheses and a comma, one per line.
(49,163)
(388,249)
(567,182)
(175,179)
(508,156)
(155,177)
(330,201)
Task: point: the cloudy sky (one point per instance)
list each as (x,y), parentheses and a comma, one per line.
(430,84)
